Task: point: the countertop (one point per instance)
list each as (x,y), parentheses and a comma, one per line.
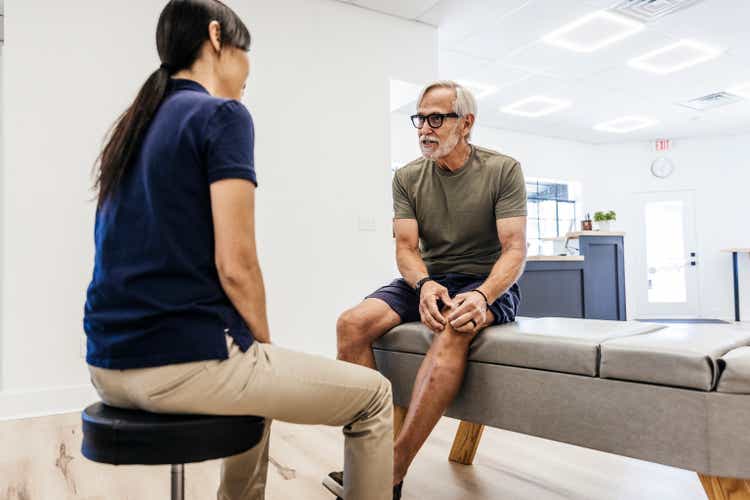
(559,258)
(577,234)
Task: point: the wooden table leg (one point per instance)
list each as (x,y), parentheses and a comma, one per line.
(725,488)
(466,442)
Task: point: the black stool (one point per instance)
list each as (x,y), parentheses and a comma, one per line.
(131,437)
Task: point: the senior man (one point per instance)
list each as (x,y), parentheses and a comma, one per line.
(460,228)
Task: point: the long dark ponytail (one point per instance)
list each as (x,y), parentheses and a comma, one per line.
(181,31)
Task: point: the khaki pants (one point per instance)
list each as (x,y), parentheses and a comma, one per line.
(275,383)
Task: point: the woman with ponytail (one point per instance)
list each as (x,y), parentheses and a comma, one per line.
(175,314)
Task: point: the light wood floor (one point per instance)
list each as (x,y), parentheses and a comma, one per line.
(40,460)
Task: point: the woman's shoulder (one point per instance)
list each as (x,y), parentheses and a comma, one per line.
(232,108)
(221,108)
(206,106)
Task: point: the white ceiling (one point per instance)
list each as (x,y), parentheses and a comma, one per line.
(497,42)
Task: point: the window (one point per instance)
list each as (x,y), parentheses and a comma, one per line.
(553,208)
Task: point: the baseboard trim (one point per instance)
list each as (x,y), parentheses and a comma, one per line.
(42,402)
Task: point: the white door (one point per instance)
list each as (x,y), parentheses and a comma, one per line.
(667,278)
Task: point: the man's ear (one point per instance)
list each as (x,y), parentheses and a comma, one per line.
(468,124)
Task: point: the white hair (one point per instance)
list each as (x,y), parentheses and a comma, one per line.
(465,103)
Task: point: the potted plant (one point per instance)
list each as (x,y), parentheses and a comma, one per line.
(603,219)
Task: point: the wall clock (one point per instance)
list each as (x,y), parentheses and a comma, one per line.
(662,167)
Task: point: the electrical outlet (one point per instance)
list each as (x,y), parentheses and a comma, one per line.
(367,224)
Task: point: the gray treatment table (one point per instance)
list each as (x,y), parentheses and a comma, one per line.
(677,395)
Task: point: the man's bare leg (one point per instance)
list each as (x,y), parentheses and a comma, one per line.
(360,326)
(437,383)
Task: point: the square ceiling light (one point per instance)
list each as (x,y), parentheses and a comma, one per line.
(675,57)
(479,90)
(626,124)
(742,90)
(593,32)
(535,106)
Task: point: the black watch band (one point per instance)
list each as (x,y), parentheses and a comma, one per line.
(420,283)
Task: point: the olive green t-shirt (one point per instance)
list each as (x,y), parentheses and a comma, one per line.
(456,211)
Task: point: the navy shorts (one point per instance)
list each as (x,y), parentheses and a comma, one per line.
(402,298)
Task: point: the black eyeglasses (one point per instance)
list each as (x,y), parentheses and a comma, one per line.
(435,120)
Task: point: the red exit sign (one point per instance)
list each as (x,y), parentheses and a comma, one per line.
(663,144)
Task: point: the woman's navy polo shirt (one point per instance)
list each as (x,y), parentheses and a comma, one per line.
(155,297)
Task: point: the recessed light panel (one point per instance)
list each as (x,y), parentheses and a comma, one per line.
(626,124)
(593,32)
(675,57)
(536,106)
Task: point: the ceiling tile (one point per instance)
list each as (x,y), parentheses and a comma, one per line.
(502,75)
(508,34)
(459,19)
(602,4)
(409,9)
(717,22)
(456,65)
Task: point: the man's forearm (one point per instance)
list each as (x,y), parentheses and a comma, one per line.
(505,272)
(248,295)
(411,265)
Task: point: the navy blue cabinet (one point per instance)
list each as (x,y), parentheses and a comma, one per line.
(590,288)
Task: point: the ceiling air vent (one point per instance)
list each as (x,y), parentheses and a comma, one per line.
(711,101)
(650,10)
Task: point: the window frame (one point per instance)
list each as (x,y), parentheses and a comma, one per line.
(571,197)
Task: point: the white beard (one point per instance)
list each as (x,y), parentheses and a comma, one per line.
(443,149)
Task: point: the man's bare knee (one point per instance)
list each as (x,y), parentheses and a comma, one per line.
(450,342)
(351,332)
(450,337)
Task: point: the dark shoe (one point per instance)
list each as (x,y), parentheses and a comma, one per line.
(334,482)
(397,491)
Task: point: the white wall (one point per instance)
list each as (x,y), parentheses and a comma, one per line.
(2,174)
(718,170)
(319,95)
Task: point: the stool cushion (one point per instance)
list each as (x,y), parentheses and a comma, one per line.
(118,436)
